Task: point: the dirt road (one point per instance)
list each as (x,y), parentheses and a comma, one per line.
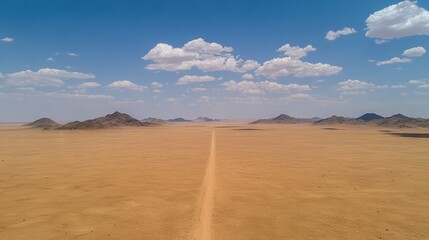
(202,227)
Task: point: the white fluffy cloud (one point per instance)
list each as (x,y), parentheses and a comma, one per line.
(357,87)
(393,61)
(414,52)
(249,87)
(298,97)
(171,99)
(352,85)
(44,77)
(292,65)
(198,89)
(250,65)
(79,96)
(194,79)
(88,85)
(331,35)
(125,84)
(7,39)
(399,20)
(419,83)
(72,54)
(416,82)
(202,47)
(296,52)
(198,54)
(157,85)
(248,76)
(282,67)
(1,75)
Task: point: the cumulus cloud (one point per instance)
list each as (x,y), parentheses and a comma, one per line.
(426,85)
(79,96)
(292,65)
(250,65)
(72,54)
(414,52)
(198,89)
(298,97)
(1,75)
(198,54)
(296,52)
(125,84)
(393,61)
(194,79)
(7,39)
(249,87)
(331,35)
(202,47)
(282,67)
(88,85)
(157,85)
(248,76)
(50,59)
(44,77)
(417,82)
(171,99)
(204,99)
(357,87)
(399,20)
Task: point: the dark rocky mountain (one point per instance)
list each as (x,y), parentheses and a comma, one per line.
(178,120)
(115,119)
(154,120)
(336,120)
(400,121)
(44,123)
(205,119)
(372,119)
(284,119)
(369,116)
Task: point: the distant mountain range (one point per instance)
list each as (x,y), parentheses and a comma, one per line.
(118,119)
(199,119)
(370,119)
(178,120)
(154,120)
(285,119)
(113,120)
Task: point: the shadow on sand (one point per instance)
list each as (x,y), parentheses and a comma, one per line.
(411,135)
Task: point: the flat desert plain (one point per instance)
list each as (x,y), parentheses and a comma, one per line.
(213,181)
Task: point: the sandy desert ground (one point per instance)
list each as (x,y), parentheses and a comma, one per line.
(213,181)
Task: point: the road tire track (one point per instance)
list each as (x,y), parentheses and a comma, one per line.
(203,223)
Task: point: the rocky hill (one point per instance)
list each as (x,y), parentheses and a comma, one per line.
(400,121)
(369,117)
(115,119)
(44,123)
(205,119)
(178,120)
(284,119)
(336,120)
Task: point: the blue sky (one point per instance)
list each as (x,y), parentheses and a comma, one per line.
(225,59)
